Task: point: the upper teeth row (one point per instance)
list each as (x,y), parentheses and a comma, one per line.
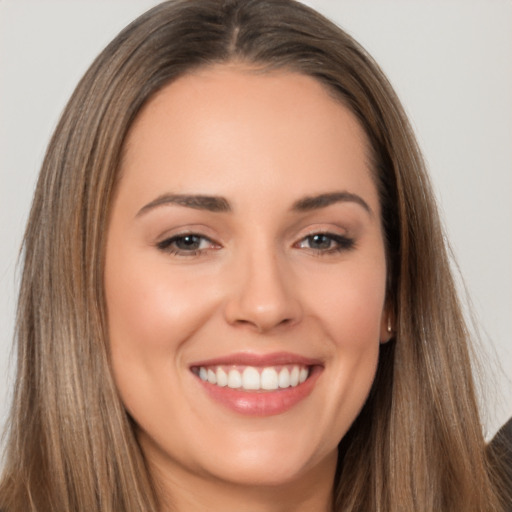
(251,378)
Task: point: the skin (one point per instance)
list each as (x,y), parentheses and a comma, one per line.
(257,284)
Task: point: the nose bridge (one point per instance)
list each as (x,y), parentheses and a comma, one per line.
(263,293)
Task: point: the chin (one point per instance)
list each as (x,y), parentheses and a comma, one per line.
(270,472)
(280,461)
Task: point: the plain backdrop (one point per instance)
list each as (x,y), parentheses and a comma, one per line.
(450,62)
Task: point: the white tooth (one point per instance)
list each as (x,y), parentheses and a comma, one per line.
(222,378)
(212,378)
(251,378)
(303,375)
(269,379)
(294,376)
(234,379)
(203,375)
(284,378)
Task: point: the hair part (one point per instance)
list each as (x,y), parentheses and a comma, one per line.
(71,444)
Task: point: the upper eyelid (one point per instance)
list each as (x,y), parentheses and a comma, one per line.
(181,231)
(322,229)
(325,231)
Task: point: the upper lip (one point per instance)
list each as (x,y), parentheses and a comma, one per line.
(253,359)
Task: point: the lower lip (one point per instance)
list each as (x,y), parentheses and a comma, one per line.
(262,403)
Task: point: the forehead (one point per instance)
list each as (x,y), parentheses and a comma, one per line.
(228,123)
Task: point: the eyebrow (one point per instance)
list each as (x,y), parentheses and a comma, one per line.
(220,204)
(323,200)
(197,202)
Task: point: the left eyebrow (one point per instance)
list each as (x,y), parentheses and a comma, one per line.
(323,200)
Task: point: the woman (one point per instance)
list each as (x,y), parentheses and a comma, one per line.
(233,225)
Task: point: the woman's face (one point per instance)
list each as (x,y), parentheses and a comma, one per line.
(245,277)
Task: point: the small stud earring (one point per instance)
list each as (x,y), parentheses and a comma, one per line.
(390,329)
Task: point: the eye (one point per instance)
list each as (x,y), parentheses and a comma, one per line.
(189,244)
(326,243)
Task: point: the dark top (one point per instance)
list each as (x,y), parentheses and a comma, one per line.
(500,450)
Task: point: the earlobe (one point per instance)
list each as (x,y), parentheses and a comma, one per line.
(387,330)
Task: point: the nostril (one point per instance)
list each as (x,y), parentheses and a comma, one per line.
(262,297)
(263,325)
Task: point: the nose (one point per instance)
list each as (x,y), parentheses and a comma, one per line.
(263,295)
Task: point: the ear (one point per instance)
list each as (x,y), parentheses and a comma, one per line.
(387,325)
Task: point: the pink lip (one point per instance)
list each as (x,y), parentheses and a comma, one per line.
(261,403)
(251,359)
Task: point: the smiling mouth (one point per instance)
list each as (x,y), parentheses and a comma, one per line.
(253,378)
(258,384)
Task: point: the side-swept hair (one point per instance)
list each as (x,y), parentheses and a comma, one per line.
(416,445)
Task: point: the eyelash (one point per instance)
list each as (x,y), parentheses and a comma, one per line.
(169,245)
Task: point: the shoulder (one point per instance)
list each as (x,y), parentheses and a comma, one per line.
(502,441)
(500,455)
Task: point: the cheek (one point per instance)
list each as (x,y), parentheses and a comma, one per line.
(350,305)
(350,310)
(152,307)
(354,320)
(153,310)
(148,305)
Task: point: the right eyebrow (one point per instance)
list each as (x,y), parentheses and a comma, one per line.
(197,202)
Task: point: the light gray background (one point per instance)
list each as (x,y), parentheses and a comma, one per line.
(450,62)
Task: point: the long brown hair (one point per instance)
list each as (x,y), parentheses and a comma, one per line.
(416,445)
